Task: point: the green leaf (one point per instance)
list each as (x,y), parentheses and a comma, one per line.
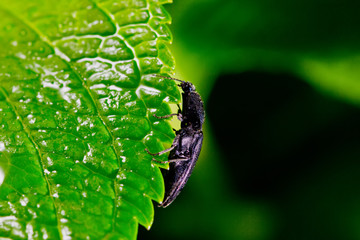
(76,113)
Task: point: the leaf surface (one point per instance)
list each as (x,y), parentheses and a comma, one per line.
(76,112)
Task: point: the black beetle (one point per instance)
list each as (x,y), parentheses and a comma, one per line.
(186,147)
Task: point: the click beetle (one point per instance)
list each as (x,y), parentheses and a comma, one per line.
(187,144)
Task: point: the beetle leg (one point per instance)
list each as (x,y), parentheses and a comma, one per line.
(160,153)
(166,116)
(180,117)
(178,114)
(172,160)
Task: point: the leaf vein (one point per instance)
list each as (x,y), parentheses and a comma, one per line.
(28,133)
(59,53)
(110,16)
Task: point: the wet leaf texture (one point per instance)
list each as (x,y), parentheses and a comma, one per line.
(76,113)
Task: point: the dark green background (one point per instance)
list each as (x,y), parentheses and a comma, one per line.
(281,85)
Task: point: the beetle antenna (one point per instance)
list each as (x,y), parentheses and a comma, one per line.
(156,75)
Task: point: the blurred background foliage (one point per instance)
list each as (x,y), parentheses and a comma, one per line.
(281,157)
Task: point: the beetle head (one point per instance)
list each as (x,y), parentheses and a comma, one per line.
(187,86)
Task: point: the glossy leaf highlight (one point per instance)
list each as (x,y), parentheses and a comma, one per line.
(76,105)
